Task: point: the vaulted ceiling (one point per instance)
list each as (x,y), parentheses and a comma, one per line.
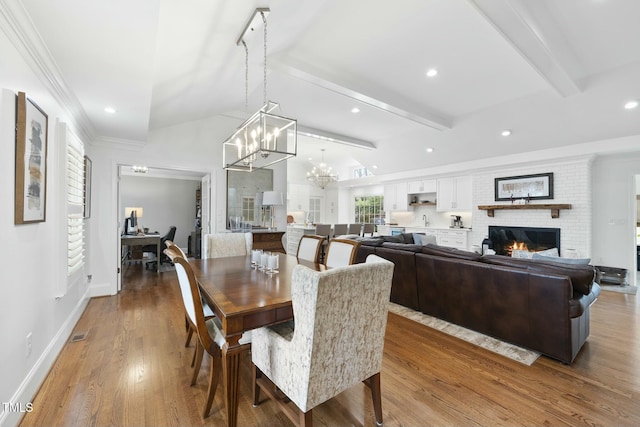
(553,72)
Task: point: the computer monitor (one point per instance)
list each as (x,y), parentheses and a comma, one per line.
(131,223)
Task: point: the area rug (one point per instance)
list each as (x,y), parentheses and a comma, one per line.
(629,289)
(502,348)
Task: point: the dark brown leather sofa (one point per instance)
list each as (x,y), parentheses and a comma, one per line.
(540,305)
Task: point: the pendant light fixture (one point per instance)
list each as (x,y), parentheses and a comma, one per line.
(321,175)
(264,138)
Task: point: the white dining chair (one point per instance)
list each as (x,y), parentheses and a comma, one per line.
(310,247)
(219,245)
(341,252)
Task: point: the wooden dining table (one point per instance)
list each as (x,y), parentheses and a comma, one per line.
(244,298)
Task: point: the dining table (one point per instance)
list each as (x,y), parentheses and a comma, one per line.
(244,297)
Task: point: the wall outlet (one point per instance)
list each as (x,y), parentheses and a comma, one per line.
(29,347)
(89,277)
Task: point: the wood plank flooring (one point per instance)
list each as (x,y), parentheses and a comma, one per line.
(133,370)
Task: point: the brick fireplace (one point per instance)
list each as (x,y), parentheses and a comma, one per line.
(532,239)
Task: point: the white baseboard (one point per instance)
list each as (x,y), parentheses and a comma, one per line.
(102,290)
(29,387)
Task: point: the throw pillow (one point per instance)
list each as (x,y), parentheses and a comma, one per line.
(553,252)
(520,253)
(575,261)
(421,239)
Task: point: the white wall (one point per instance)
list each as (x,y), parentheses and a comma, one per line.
(165,202)
(31,268)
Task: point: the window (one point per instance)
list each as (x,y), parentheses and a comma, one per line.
(361,173)
(314,210)
(248,208)
(75,208)
(369,209)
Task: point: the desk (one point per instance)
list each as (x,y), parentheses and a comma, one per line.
(147,239)
(244,299)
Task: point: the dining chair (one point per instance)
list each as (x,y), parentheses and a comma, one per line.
(368,228)
(335,343)
(341,252)
(324,230)
(210,338)
(310,247)
(219,245)
(355,229)
(340,229)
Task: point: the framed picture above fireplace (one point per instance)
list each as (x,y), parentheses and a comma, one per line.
(538,186)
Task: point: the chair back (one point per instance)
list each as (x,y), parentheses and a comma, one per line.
(191,298)
(338,338)
(368,228)
(171,235)
(310,247)
(355,229)
(340,229)
(170,245)
(220,245)
(324,230)
(341,252)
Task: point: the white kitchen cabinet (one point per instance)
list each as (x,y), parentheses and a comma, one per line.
(294,234)
(452,238)
(454,194)
(422,186)
(298,197)
(396,197)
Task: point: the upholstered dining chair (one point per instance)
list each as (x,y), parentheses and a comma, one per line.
(335,342)
(219,245)
(355,229)
(210,338)
(324,230)
(368,228)
(340,229)
(341,252)
(310,247)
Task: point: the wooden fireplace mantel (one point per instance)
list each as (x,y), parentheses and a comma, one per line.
(553,207)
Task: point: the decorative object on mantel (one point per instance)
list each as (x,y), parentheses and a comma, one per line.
(322,175)
(553,207)
(264,138)
(31,161)
(271,199)
(524,187)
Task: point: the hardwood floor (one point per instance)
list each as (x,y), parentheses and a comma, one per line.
(133,369)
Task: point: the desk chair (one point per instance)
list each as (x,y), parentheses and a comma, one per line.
(335,343)
(160,257)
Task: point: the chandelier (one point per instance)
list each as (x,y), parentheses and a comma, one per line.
(264,138)
(322,175)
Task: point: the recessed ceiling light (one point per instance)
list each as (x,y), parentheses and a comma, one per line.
(355,110)
(631,105)
(375,166)
(505,132)
(432,72)
(429,150)
(110,110)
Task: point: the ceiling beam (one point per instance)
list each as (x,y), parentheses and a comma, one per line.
(542,50)
(402,109)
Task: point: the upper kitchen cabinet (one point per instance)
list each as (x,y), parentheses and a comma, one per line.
(454,194)
(297,197)
(422,186)
(396,197)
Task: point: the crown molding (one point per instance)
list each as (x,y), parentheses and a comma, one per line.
(22,33)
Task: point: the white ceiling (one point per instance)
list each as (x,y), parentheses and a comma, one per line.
(554,72)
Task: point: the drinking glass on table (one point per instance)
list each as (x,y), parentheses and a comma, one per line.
(255,257)
(263,260)
(272,264)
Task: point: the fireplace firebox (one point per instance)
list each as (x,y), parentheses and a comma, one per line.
(533,239)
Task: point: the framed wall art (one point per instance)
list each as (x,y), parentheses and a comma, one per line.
(31,162)
(88,165)
(539,186)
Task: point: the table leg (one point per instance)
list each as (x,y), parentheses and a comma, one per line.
(231,372)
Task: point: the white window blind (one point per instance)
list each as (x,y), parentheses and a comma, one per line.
(75,191)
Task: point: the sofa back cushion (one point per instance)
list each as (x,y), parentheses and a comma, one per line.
(581,275)
(402,246)
(443,251)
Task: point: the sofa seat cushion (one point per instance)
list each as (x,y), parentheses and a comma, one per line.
(443,251)
(372,241)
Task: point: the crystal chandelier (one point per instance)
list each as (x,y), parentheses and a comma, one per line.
(264,138)
(322,175)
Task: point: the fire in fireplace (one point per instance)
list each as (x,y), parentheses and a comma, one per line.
(532,239)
